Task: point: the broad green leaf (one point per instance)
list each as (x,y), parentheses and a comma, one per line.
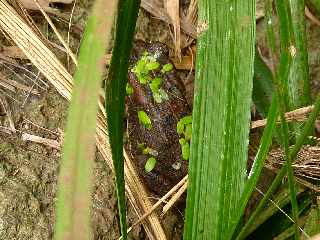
(221,116)
(185,150)
(188,132)
(152,66)
(155,84)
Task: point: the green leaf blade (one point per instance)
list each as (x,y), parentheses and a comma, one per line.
(221,115)
(115,94)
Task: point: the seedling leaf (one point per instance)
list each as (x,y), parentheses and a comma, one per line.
(185,149)
(152,66)
(150,164)
(129,89)
(167,68)
(144,119)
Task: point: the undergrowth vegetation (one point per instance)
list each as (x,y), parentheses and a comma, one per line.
(236,82)
(228,69)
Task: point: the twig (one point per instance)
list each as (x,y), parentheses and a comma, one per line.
(73,57)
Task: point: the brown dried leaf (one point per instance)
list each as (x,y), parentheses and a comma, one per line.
(45,4)
(172,8)
(13,52)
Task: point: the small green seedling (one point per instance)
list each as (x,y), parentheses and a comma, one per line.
(188,132)
(155,84)
(158,93)
(141,146)
(167,68)
(185,148)
(150,164)
(187,120)
(142,69)
(144,119)
(145,64)
(154,65)
(149,151)
(129,89)
(184,128)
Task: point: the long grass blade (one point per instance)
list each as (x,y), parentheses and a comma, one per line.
(74,195)
(283,85)
(312,226)
(258,164)
(115,93)
(263,88)
(221,115)
(299,90)
(276,182)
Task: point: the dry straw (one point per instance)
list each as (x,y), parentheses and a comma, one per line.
(49,65)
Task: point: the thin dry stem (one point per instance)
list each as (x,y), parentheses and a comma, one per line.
(66,46)
(55,72)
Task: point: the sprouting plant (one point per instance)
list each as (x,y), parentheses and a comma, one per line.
(129,89)
(150,164)
(158,93)
(184,129)
(149,151)
(142,69)
(152,64)
(185,148)
(183,123)
(144,119)
(167,68)
(145,64)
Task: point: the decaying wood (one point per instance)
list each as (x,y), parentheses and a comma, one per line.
(295,115)
(306,165)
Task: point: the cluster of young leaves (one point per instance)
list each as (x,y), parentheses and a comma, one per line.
(151,153)
(143,68)
(184,129)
